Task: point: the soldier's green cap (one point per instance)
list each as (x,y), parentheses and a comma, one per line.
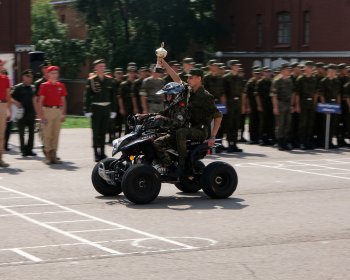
(285,66)
(342,66)
(46,63)
(173,62)
(255,67)
(198,65)
(108,71)
(319,64)
(27,72)
(188,60)
(332,66)
(98,61)
(277,70)
(234,62)
(213,62)
(195,72)
(294,64)
(118,70)
(257,71)
(131,69)
(309,63)
(132,64)
(144,69)
(266,69)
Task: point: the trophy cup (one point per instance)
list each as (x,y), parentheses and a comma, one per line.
(160,53)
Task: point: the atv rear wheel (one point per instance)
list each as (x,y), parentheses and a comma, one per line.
(100,185)
(141,184)
(219,180)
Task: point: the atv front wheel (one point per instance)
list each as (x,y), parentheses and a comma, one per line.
(100,185)
(141,184)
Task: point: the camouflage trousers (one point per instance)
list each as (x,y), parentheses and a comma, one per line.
(184,134)
(163,143)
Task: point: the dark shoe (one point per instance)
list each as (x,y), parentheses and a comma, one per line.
(234,149)
(31,154)
(242,140)
(332,146)
(303,147)
(7,149)
(25,154)
(177,173)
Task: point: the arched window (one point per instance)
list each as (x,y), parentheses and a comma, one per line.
(284,28)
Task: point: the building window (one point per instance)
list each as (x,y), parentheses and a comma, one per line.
(306,35)
(284,28)
(63,18)
(260,30)
(233,31)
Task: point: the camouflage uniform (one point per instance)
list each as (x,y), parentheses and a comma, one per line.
(306,88)
(266,118)
(149,88)
(346,96)
(233,88)
(177,117)
(330,90)
(201,110)
(283,90)
(249,91)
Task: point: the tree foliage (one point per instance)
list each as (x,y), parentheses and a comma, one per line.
(45,24)
(125,30)
(50,36)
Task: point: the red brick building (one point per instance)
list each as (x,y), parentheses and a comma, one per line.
(15,35)
(269,32)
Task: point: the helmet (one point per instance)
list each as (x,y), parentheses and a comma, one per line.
(172,88)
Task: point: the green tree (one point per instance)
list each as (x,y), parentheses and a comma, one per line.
(45,24)
(127,30)
(50,36)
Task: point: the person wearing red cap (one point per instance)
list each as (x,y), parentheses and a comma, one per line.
(5,109)
(52,111)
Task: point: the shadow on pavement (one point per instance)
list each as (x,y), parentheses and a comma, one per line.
(185,202)
(65,165)
(236,155)
(11,171)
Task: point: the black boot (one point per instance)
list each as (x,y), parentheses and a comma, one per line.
(96,155)
(234,149)
(103,155)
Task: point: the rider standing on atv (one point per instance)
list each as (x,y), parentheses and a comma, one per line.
(201,111)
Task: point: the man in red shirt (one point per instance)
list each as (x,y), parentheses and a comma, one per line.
(5,110)
(52,111)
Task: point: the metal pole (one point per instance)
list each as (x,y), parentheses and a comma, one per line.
(328,123)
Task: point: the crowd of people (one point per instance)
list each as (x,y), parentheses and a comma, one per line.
(279,105)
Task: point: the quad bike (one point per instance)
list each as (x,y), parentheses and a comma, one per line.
(139,175)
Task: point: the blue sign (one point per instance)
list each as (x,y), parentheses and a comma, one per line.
(222,108)
(328,108)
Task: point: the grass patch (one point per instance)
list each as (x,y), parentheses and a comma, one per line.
(76,122)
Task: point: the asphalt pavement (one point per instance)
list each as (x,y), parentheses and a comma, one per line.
(288,219)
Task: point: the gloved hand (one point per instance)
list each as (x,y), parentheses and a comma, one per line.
(113,115)
(88,115)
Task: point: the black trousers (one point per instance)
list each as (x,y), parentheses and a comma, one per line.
(27,122)
(100,123)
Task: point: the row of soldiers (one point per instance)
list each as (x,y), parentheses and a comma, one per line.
(280,104)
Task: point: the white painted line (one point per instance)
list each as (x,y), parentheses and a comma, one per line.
(83,240)
(42,213)
(27,205)
(70,221)
(100,220)
(4,191)
(327,167)
(93,230)
(27,255)
(13,197)
(301,171)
